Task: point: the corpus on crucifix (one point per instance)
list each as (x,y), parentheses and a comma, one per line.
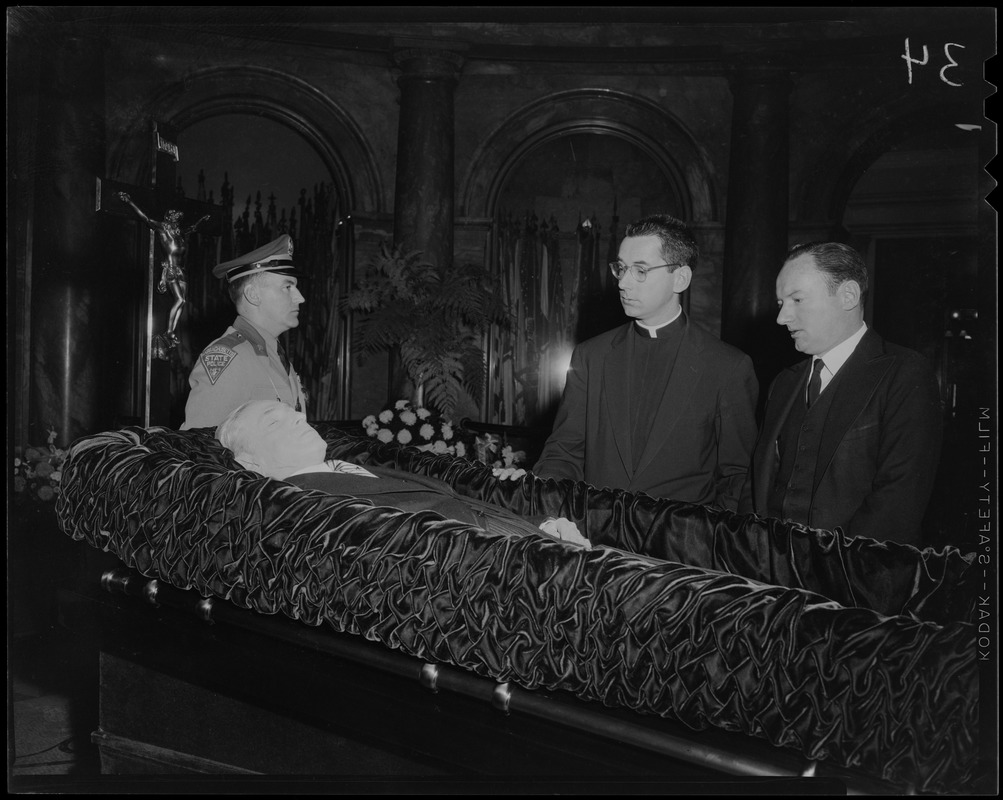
(174,242)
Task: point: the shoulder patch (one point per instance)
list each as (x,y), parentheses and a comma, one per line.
(216,358)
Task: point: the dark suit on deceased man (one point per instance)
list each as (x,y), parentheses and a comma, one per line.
(274,440)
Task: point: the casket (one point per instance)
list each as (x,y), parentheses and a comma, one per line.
(253,627)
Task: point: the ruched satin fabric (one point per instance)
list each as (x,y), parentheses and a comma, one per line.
(891,578)
(851,652)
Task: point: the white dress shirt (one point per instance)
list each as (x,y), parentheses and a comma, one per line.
(334,465)
(834,359)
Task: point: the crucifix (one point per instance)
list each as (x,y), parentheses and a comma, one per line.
(170,233)
(174,242)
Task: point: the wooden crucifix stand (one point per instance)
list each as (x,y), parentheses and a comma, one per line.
(169,219)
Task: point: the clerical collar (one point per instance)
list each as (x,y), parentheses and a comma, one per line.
(652,330)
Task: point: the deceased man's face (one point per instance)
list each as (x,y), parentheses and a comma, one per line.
(280,439)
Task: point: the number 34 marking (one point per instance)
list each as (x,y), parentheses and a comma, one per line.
(909,61)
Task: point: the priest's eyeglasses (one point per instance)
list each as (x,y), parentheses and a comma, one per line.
(637,272)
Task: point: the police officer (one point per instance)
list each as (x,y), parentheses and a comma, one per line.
(247,362)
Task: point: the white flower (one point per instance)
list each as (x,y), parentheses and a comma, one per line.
(369,421)
(404,437)
(461,451)
(511,457)
(423,413)
(401,404)
(385,436)
(408,418)
(426,431)
(56,476)
(386,415)
(447,431)
(439,446)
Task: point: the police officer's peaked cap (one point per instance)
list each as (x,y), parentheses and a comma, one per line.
(276,256)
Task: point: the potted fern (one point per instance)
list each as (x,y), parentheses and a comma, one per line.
(433,317)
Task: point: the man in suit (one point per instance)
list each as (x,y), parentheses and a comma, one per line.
(273,439)
(851,436)
(657,405)
(248,362)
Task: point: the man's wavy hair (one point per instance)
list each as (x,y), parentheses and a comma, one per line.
(678,244)
(836,261)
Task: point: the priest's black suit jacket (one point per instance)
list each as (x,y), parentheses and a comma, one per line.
(880,443)
(704,429)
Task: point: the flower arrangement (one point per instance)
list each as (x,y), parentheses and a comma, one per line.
(491,451)
(405,424)
(38,470)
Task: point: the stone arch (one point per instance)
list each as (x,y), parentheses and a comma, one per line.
(875,136)
(277,96)
(642,123)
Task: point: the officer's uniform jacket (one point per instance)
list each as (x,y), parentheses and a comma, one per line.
(241,365)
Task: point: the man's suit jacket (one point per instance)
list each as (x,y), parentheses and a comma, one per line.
(880,443)
(703,432)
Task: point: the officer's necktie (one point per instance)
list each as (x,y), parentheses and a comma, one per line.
(282,356)
(285,365)
(815,384)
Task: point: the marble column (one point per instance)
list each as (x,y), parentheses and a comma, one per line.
(423,199)
(67,291)
(757,216)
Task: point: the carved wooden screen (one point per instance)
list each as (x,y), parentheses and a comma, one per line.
(562,293)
